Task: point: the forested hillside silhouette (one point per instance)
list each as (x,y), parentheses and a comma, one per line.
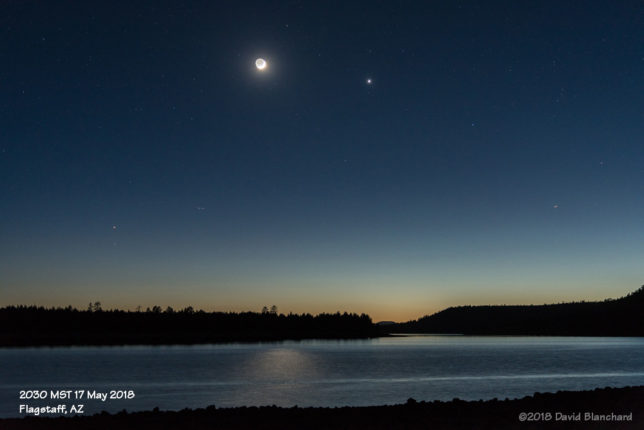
(611,317)
(31,325)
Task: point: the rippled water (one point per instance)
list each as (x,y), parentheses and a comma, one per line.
(321,373)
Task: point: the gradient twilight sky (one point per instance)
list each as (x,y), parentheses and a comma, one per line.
(497,156)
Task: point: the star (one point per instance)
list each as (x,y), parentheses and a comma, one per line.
(369,81)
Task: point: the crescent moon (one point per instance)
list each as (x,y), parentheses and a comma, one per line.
(260,63)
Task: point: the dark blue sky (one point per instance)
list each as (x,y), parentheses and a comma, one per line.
(496,156)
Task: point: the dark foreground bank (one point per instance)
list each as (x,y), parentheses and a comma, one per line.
(607,408)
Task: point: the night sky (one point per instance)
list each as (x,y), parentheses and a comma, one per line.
(394,158)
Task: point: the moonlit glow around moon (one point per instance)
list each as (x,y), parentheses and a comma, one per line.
(260,63)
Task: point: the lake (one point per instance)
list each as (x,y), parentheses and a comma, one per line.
(319,372)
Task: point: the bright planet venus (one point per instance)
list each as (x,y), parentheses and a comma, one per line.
(260,63)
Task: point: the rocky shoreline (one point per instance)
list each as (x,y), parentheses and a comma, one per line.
(602,408)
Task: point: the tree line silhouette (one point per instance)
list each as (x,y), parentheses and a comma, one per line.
(611,317)
(32,325)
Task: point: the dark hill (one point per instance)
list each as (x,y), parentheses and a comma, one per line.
(611,317)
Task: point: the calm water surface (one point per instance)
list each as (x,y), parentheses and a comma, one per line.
(322,373)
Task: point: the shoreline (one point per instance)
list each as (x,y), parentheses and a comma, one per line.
(265,340)
(601,408)
(178,342)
